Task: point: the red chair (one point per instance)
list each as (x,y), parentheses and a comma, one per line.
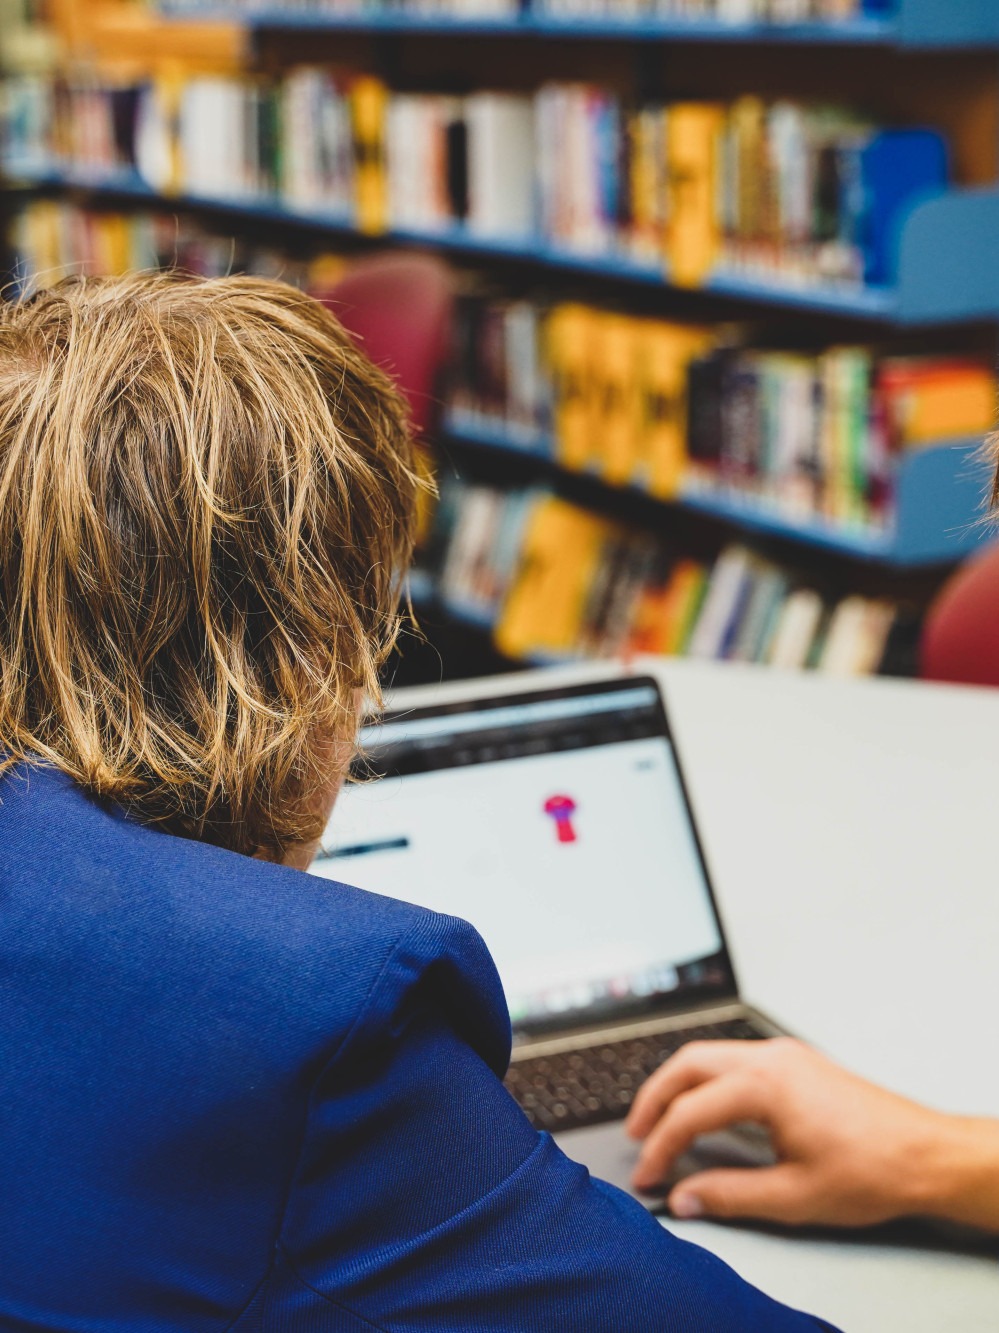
(398,307)
(960,640)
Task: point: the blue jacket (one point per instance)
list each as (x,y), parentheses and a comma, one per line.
(235,1097)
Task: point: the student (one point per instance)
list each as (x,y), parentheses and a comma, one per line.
(850,1153)
(233,1096)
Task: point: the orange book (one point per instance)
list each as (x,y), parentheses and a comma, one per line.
(571,333)
(617,417)
(937,399)
(693,156)
(667,351)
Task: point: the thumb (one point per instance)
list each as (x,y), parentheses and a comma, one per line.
(772,1193)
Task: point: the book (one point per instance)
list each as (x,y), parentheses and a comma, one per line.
(667,352)
(796,629)
(857,637)
(543,608)
(501,155)
(616,423)
(936,398)
(693,156)
(728,587)
(571,334)
(369,107)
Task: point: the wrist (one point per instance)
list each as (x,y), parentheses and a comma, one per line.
(955,1171)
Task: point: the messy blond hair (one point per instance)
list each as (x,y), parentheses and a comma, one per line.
(207,499)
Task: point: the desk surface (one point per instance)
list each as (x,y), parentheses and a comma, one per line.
(849,827)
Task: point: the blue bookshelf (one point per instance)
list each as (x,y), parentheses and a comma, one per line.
(947,266)
(909,24)
(939,502)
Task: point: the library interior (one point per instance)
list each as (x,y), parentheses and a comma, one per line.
(686,555)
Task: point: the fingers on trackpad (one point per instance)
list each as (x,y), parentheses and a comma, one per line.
(742,1147)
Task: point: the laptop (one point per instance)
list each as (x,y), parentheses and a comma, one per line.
(558,823)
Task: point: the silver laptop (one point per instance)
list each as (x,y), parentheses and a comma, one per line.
(557,822)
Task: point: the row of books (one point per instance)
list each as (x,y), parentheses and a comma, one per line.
(801,192)
(725,11)
(675,408)
(53,238)
(297,11)
(778,187)
(672,409)
(556,581)
(730,11)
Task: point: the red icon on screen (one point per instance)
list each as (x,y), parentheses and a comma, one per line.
(562,809)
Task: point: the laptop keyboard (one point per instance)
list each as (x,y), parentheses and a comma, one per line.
(586,1087)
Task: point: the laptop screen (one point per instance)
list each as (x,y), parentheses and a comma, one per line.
(557,824)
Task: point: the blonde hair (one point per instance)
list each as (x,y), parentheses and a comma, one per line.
(207,501)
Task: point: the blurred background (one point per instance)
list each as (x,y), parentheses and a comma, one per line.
(694,301)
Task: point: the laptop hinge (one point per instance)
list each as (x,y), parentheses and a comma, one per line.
(622,1029)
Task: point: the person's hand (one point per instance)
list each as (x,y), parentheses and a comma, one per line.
(849,1153)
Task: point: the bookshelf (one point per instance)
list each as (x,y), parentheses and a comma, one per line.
(914,25)
(947,268)
(939,492)
(931,62)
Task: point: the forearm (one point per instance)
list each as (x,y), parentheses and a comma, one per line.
(958,1175)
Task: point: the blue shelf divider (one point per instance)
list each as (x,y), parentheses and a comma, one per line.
(914,24)
(953,23)
(947,269)
(939,503)
(948,257)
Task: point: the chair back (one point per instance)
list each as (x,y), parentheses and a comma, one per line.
(398,307)
(960,638)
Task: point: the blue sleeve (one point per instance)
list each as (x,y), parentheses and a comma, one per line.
(424,1200)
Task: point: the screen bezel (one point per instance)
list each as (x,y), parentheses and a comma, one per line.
(686,997)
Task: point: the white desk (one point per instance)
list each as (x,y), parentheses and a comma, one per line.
(850,829)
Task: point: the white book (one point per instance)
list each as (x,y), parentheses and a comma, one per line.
(731,570)
(546,124)
(154,156)
(211,137)
(842,649)
(475,515)
(397,158)
(501,157)
(858,632)
(300,123)
(524,386)
(796,629)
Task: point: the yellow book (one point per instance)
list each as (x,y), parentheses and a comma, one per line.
(747,125)
(693,156)
(37,237)
(114,243)
(618,398)
(834,435)
(571,333)
(667,351)
(543,609)
(369,108)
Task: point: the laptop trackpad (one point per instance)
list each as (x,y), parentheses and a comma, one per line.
(610,1155)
